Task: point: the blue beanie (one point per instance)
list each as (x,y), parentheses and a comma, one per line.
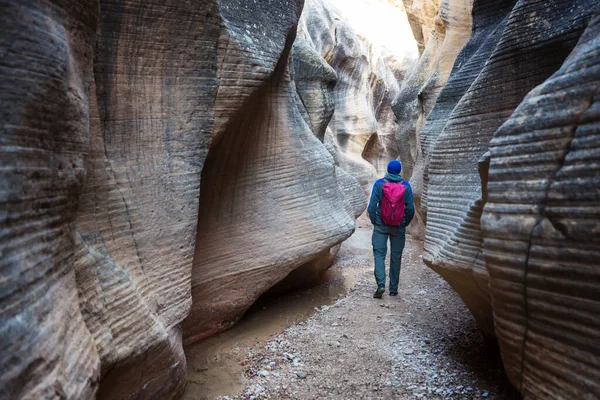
(394,167)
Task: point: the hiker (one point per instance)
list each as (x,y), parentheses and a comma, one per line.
(391,209)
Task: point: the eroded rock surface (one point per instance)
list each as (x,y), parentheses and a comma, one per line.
(422,16)
(541,229)
(449,31)
(453,197)
(47,350)
(363,126)
(265,175)
(528,277)
(113,115)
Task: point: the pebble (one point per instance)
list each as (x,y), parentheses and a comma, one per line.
(301,375)
(485,394)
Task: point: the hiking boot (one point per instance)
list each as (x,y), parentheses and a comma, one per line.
(393,293)
(379,293)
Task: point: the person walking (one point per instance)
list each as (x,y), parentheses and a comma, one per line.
(391,209)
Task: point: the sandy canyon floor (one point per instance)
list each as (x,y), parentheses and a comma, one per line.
(334,341)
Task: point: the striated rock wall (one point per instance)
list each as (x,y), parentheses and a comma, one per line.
(453,194)
(507,157)
(263,177)
(156,164)
(416,98)
(541,227)
(47,350)
(362,127)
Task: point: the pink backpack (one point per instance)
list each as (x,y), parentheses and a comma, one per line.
(392,204)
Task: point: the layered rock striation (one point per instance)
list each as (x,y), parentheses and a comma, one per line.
(447,33)
(507,157)
(541,227)
(263,177)
(157,171)
(362,127)
(453,193)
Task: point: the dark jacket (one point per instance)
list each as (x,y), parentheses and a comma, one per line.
(374,208)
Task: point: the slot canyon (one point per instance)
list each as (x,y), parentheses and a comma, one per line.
(184,186)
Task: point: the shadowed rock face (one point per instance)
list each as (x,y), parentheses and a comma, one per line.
(314,81)
(266,174)
(541,229)
(526,266)
(47,350)
(489,21)
(453,191)
(112,115)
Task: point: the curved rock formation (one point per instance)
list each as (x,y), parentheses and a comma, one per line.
(541,229)
(453,194)
(353,121)
(419,92)
(47,351)
(314,81)
(262,178)
(530,276)
(362,127)
(422,16)
(113,112)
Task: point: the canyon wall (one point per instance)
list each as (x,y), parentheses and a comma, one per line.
(505,164)
(447,33)
(157,172)
(455,142)
(363,127)
(541,227)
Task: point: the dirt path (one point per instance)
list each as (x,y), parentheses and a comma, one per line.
(421,344)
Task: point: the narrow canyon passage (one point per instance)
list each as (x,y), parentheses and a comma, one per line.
(333,340)
(183,187)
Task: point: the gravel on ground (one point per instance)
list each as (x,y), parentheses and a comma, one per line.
(422,344)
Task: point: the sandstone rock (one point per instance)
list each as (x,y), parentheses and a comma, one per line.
(387,71)
(47,351)
(110,110)
(422,15)
(362,127)
(453,191)
(488,25)
(353,121)
(421,88)
(314,80)
(541,229)
(264,175)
